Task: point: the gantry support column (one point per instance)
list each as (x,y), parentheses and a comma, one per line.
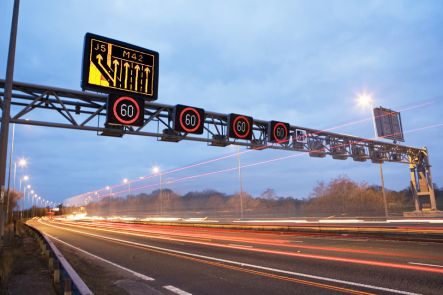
(422,186)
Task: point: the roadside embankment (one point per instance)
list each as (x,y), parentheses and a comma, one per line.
(22,267)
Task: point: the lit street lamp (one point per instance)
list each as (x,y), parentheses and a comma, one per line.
(22,163)
(365,100)
(126,181)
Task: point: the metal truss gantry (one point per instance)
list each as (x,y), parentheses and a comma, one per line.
(81,110)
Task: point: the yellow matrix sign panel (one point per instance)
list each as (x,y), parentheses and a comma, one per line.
(112,66)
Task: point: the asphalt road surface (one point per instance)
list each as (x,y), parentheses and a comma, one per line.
(185,260)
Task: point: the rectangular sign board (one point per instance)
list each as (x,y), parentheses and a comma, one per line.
(112,66)
(388,124)
(278,132)
(125,110)
(301,136)
(239,126)
(188,119)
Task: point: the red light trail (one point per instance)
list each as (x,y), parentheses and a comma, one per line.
(106,192)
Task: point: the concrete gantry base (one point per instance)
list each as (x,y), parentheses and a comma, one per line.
(429,214)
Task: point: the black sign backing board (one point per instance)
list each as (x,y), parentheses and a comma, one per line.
(111,66)
(189,119)
(125,110)
(278,132)
(240,126)
(388,124)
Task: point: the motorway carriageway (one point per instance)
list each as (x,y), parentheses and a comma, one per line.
(197,260)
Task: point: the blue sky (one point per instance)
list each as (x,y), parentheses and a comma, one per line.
(302,62)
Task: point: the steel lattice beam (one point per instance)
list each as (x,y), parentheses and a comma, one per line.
(83,110)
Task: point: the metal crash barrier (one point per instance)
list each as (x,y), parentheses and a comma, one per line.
(65,279)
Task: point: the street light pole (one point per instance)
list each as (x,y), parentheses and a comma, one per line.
(6,105)
(156,170)
(161,195)
(22,201)
(109,202)
(382,179)
(11,153)
(127,181)
(365,100)
(241,182)
(26,190)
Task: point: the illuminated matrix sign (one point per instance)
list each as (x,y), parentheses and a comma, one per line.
(125,110)
(112,66)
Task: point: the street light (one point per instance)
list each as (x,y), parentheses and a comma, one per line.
(24,178)
(240,178)
(22,163)
(108,188)
(156,170)
(34,205)
(26,187)
(126,181)
(364,101)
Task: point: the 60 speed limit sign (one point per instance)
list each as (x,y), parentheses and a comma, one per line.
(189,119)
(125,110)
(240,126)
(278,132)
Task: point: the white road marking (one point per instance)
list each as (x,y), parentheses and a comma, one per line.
(272,221)
(176,290)
(139,275)
(414,220)
(426,264)
(348,239)
(340,221)
(242,264)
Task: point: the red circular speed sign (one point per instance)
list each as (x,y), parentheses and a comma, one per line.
(280,138)
(244,133)
(193,125)
(118,111)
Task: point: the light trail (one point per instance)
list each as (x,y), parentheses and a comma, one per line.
(178,232)
(375,263)
(237,266)
(185,178)
(143,178)
(413,107)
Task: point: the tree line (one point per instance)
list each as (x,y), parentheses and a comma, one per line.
(340,197)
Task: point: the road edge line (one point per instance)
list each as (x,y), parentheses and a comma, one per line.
(137,274)
(367,286)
